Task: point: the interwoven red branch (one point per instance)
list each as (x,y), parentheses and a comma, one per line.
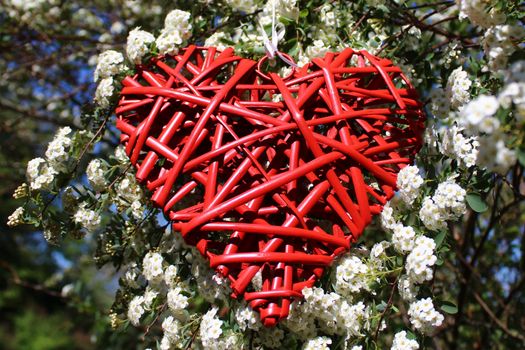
(269,174)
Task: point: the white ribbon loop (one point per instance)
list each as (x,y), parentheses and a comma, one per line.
(278,32)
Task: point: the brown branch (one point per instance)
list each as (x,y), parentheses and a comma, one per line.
(447,2)
(35,115)
(388,305)
(501,325)
(36,287)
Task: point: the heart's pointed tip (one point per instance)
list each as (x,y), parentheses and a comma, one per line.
(270,322)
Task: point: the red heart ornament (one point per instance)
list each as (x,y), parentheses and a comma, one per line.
(270,174)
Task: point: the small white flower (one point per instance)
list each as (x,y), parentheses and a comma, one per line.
(95,174)
(171,328)
(421,260)
(57,152)
(152,266)
(87,218)
(317,49)
(247,318)
(458,86)
(408,182)
(319,343)
(136,310)
(210,329)
(176,300)
(104,92)
(403,238)
(387,217)
(351,275)
(110,63)
(401,342)
(138,44)
(39,174)
(215,40)
(423,316)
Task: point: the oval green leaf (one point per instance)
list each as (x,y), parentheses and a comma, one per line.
(475,202)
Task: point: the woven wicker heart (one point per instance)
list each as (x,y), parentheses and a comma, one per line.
(270,174)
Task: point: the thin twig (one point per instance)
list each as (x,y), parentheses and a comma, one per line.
(504,328)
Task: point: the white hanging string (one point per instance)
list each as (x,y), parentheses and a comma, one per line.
(278,33)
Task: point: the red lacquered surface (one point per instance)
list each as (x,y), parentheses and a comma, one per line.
(256,185)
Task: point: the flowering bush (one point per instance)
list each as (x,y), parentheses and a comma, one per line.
(407,282)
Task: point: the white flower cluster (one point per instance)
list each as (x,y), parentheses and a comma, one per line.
(377,252)
(210,329)
(407,288)
(283,8)
(408,183)
(317,49)
(140,304)
(403,238)
(177,301)
(27,10)
(87,218)
(16,218)
(164,284)
(136,309)
(137,44)
(499,44)
(452,54)
(247,6)
(95,174)
(333,314)
(480,12)
(421,260)
(58,150)
(447,203)
(177,28)
(318,343)
(269,338)
(109,63)
(514,91)
(458,86)
(104,92)
(387,217)
(247,318)
(171,328)
(152,267)
(209,284)
(454,144)
(171,276)
(455,94)
(132,276)
(130,195)
(478,117)
(401,342)
(215,40)
(351,275)
(423,316)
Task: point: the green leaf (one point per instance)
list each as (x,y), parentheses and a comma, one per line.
(521,157)
(381,307)
(440,238)
(477,204)
(411,335)
(303,13)
(449,307)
